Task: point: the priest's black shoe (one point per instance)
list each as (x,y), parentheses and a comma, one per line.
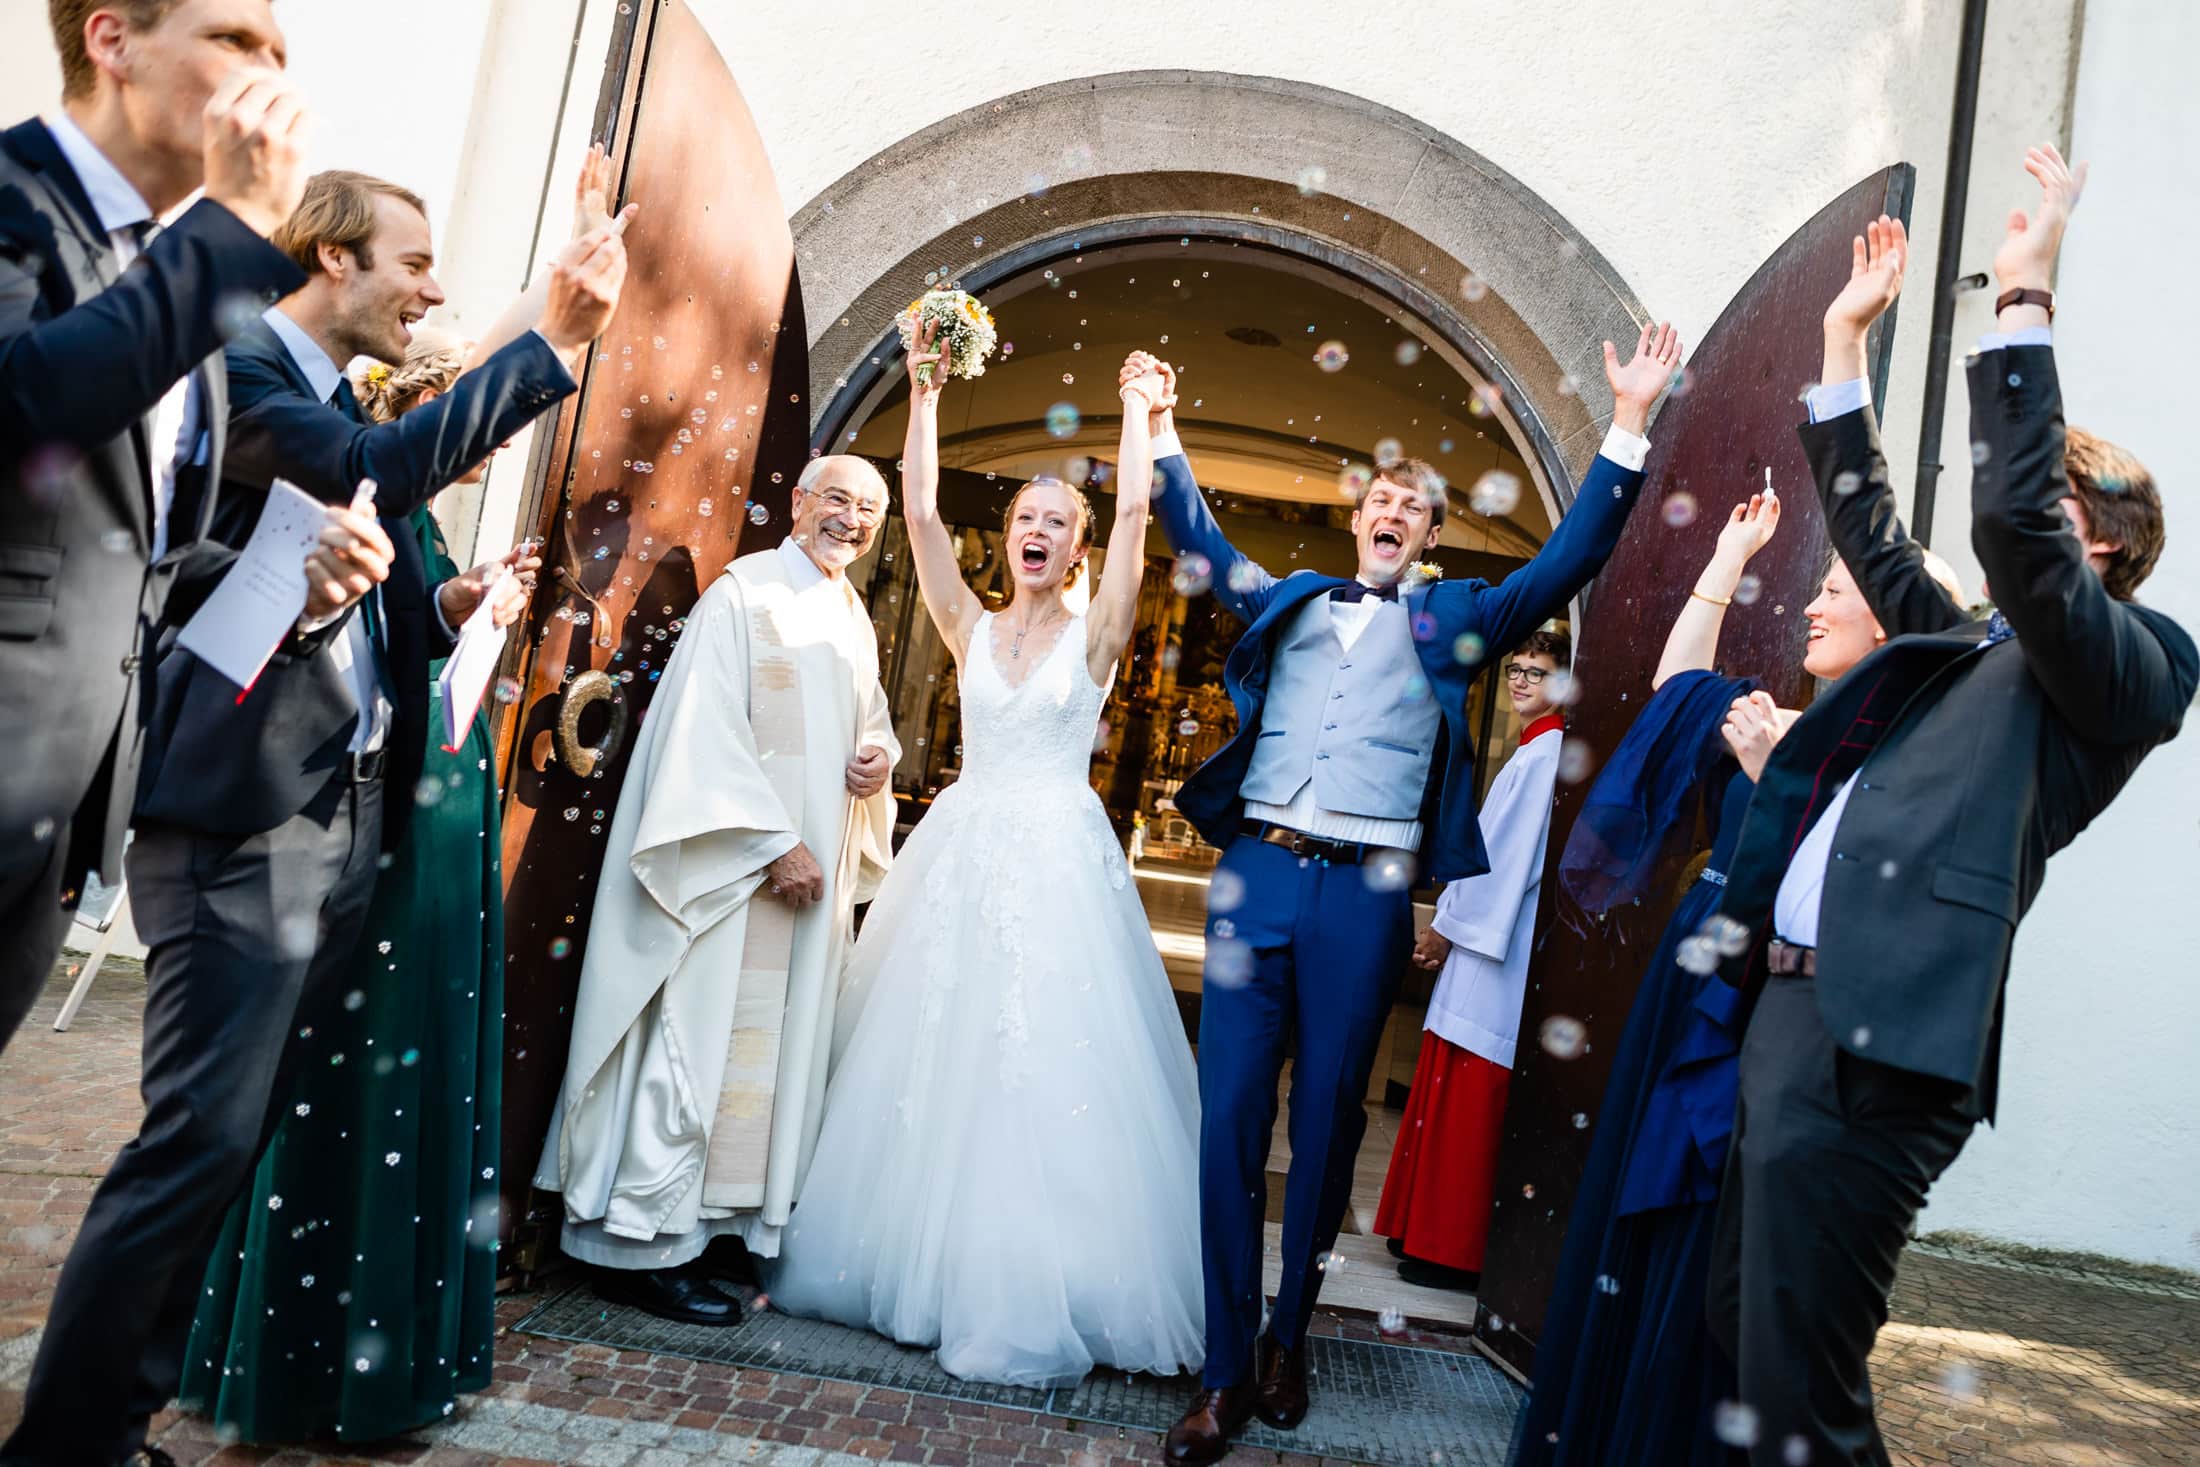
(1436,1276)
(678,1294)
(728,1263)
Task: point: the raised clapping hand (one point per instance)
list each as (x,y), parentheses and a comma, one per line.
(1637,386)
(2027,254)
(254,133)
(1748,529)
(1877,258)
(592,195)
(352,556)
(867,771)
(585,282)
(1754,724)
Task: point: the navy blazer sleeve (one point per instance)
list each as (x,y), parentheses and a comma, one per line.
(1240,584)
(278,432)
(1584,540)
(2114,671)
(1850,469)
(85,375)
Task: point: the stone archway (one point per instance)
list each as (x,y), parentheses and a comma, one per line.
(1397,205)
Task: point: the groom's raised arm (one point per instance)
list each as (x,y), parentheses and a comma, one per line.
(1588,532)
(1240,584)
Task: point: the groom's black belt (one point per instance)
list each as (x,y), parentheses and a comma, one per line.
(1299,843)
(1785,960)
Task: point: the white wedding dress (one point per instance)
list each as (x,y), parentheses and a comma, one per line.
(1008,1167)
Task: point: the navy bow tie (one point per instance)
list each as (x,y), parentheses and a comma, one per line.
(1360,591)
(1998,630)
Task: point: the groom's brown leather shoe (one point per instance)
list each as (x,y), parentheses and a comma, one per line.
(1204,1433)
(1280,1399)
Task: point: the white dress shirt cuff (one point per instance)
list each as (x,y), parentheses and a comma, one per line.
(1830,400)
(435,599)
(2026,336)
(1167,445)
(1626,449)
(308,625)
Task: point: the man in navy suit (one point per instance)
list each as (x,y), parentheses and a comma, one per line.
(1352,769)
(111,393)
(261,819)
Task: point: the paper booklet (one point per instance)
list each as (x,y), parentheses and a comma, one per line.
(259,601)
(467,671)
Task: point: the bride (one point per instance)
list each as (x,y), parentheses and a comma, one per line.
(1008,1166)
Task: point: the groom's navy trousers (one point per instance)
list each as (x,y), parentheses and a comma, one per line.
(1307,964)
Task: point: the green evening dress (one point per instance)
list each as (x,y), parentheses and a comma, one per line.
(352,1294)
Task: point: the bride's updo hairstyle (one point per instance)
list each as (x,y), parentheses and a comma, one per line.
(432,363)
(1084,521)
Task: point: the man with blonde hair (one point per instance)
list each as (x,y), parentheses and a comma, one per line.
(754,817)
(110,393)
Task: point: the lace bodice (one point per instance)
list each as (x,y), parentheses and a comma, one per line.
(1033,733)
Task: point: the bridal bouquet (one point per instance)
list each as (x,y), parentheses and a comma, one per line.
(961,327)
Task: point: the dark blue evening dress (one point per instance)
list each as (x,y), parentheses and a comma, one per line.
(1625,1370)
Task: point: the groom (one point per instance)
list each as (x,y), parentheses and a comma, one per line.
(1351,745)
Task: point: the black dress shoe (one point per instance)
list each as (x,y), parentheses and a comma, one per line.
(728,1263)
(1436,1276)
(1203,1435)
(1396,1246)
(677,1294)
(1280,1396)
(148,1457)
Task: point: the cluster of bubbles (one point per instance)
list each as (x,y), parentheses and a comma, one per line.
(1192,575)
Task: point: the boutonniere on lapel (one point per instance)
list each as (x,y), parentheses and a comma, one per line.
(1422,574)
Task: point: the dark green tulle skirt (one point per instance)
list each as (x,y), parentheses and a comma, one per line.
(352,1294)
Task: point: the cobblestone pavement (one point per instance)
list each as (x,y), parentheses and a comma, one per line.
(1983,1362)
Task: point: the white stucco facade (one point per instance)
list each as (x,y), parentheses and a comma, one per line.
(1684,143)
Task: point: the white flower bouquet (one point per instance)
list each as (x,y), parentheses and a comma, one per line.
(960,326)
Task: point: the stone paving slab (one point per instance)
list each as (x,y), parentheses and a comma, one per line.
(1980,1363)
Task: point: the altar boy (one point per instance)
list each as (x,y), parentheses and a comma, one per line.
(1435,1208)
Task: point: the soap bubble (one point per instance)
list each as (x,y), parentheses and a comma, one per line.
(1389,871)
(1495,493)
(1331,356)
(1192,575)
(1847,482)
(1313,178)
(1467,649)
(1063,419)
(560,947)
(1563,1037)
(1735,1423)
(1473,286)
(1388,451)
(1225,892)
(1679,510)
(1748,589)
(508,690)
(1698,955)
(1229,962)
(758,514)
(1407,353)
(1575,760)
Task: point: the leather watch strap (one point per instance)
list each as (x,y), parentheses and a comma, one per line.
(2025,295)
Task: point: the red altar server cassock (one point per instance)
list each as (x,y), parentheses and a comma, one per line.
(1436,1199)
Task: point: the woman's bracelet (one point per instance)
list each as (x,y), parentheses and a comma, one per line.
(1714,600)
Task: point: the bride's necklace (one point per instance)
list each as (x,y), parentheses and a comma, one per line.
(1016,647)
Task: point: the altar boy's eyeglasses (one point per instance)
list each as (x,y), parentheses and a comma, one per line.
(1521,672)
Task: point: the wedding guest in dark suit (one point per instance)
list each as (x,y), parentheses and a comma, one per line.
(261,819)
(1902,827)
(111,391)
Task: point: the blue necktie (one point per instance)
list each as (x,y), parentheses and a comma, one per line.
(1998,630)
(1360,591)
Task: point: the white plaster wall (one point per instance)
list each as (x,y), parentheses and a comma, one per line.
(2099,1142)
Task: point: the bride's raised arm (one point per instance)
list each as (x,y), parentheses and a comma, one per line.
(1114,609)
(953,606)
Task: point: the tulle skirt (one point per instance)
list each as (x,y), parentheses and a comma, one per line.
(1007,1169)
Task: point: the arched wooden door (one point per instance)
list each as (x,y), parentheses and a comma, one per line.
(679,453)
(1714,441)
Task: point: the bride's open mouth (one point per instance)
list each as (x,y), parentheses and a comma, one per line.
(1034,555)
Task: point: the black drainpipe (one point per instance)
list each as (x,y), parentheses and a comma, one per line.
(1948,282)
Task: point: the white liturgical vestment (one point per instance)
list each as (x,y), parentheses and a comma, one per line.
(703,1026)
(1490,919)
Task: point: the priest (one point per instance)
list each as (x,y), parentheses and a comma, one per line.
(755,816)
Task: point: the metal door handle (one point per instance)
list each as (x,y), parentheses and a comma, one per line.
(581,693)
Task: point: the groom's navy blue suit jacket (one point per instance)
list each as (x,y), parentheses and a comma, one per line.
(1501,616)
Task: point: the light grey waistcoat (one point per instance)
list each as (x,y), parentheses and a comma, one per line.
(1361,724)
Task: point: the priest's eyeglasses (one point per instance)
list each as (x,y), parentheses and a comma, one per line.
(1521,672)
(840,502)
